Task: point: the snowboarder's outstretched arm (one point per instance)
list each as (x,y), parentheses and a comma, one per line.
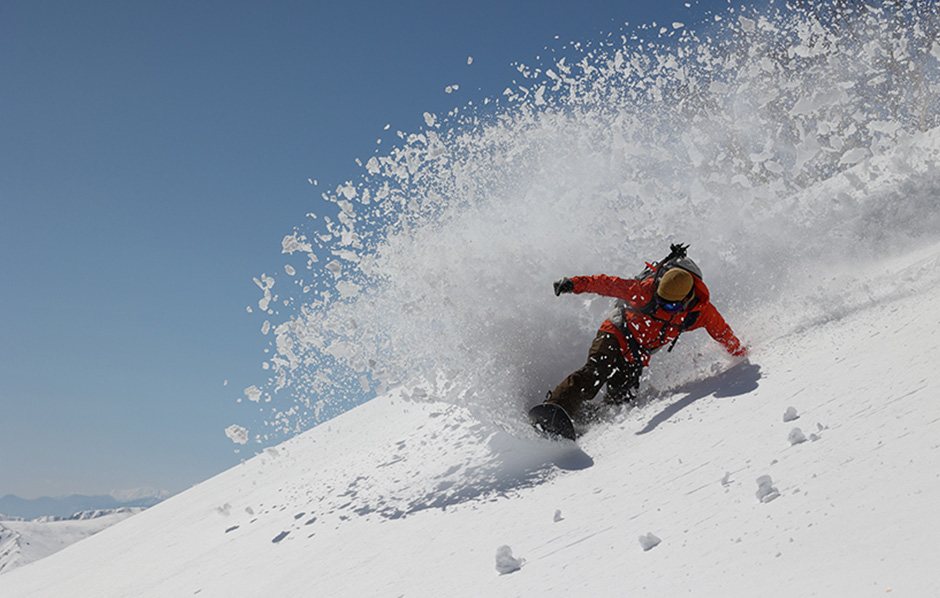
(601,284)
(719,330)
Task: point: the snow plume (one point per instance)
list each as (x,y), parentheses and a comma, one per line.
(434,273)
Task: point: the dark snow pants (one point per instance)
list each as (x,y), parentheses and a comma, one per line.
(605,364)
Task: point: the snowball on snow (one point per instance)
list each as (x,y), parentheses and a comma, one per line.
(765,489)
(796,436)
(649,541)
(505,562)
(790,415)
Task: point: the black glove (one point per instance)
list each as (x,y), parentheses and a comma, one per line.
(564,285)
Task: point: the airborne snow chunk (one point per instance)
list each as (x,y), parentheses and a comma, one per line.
(238,434)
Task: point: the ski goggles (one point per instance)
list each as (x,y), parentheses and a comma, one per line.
(672,307)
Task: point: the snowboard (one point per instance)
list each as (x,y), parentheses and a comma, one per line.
(552,421)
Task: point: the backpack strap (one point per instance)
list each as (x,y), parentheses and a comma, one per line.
(677,257)
(687,323)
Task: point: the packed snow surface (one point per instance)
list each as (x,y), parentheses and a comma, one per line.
(801,161)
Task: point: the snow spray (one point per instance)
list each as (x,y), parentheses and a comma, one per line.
(761,141)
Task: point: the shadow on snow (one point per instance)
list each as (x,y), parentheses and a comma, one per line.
(513,464)
(736,381)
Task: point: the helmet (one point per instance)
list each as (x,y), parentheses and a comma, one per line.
(675,285)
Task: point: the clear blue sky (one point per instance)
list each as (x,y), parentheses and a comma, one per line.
(152,157)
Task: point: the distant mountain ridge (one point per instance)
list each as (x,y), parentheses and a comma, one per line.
(22,508)
(25,541)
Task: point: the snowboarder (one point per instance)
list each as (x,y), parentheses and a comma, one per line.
(652,310)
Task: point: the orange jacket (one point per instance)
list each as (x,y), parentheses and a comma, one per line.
(639,333)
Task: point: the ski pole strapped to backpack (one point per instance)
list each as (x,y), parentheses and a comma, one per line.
(677,258)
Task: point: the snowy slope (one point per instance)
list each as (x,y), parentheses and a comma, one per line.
(25,541)
(398,498)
